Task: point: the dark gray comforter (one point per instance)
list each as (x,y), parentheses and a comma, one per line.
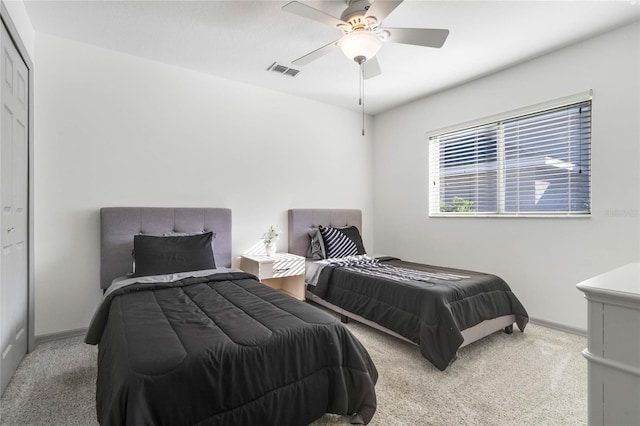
(224,350)
(428,305)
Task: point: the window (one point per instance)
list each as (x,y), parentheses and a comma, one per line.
(536,163)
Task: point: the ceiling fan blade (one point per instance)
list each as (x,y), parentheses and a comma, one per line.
(427,37)
(309,12)
(318,53)
(371,68)
(380,9)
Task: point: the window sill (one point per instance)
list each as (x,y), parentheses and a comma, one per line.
(521,215)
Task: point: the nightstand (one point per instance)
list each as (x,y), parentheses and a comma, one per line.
(282,271)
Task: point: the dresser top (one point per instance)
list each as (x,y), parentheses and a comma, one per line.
(623,282)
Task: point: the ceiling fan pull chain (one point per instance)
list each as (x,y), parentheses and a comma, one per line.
(362,93)
(360,82)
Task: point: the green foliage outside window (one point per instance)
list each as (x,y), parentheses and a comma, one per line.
(459,204)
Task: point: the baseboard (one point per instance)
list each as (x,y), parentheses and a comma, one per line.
(60,335)
(557,326)
(82,331)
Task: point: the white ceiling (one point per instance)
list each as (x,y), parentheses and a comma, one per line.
(239,40)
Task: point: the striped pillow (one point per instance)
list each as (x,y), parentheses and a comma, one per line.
(341,242)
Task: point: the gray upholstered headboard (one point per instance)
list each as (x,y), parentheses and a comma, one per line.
(300,220)
(118,225)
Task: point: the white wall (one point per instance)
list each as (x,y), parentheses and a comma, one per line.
(542,259)
(21,20)
(113,129)
(116,130)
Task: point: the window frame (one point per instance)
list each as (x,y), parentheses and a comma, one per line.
(434,154)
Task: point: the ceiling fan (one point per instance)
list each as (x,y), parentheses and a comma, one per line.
(363,34)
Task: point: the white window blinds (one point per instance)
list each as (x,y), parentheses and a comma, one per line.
(531,164)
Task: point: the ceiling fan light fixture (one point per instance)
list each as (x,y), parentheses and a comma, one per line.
(360,44)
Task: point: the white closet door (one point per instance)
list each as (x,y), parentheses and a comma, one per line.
(13,214)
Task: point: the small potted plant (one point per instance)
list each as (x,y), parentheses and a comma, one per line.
(270,239)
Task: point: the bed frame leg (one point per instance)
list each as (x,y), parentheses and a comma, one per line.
(509,329)
(344,319)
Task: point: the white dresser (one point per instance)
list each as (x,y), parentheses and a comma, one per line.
(613,353)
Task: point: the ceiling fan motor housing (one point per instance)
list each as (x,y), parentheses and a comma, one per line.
(356,10)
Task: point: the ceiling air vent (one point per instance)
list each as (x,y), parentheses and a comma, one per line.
(291,72)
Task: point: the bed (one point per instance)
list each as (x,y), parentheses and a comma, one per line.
(204,344)
(436,308)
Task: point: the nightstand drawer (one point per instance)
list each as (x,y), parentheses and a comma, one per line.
(276,266)
(288,267)
(282,271)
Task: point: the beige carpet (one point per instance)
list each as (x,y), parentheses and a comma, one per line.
(538,377)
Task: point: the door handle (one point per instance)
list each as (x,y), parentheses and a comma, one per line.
(10,230)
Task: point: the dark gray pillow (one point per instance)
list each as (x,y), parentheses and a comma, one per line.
(167,255)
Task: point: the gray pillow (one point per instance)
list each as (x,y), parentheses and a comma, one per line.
(316,249)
